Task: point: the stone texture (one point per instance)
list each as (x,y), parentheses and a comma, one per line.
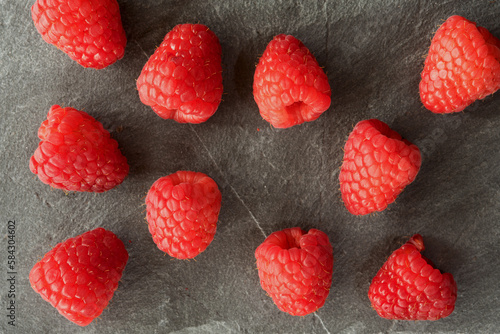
(373,52)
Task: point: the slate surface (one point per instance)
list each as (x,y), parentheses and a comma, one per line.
(373,52)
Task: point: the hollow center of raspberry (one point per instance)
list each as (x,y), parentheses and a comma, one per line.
(418,242)
(292,241)
(296,109)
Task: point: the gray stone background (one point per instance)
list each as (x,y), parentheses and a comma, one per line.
(372,52)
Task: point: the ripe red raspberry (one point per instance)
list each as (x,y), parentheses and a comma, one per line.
(80,275)
(182,80)
(295,269)
(182,213)
(463,65)
(378,165)
(76,153)
(408,287)
(289,86)
(90,32)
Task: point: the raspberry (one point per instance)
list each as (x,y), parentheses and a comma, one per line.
(463,65)
(408,287)
(378,165)
(76,153)
(182,213)
(295,269)
(289,86)
(182,80)
(80,275)
(90,32)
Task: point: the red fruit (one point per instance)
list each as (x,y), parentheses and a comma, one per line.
(76,153)
(289,86)
(182,80)
(90,32)
(295,269)
(408,287)
(80,275)
(182,213)
(463,65)
(378,165)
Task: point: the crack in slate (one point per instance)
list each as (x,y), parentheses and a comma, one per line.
(322,323)
(226,181)
(140,48)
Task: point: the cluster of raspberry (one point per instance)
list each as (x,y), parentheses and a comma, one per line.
(182,81)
